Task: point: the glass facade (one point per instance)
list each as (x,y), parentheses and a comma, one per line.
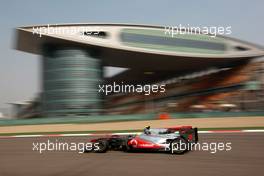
(70,82)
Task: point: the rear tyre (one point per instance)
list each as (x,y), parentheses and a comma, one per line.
(102,146)
(178,146)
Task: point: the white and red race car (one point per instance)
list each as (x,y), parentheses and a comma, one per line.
(160,139)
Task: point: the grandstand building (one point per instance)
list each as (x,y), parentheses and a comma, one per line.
(200,72)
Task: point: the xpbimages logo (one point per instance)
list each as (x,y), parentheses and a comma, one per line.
(56,145)
(212,31)
(126,88)
(212,147)
(84,31)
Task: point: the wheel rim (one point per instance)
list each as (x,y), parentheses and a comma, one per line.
(177,148)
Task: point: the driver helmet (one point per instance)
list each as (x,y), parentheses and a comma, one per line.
(147,127)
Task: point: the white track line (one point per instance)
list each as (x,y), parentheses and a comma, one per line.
(204,132)
(24,136)
(253,131)
(76,134)
(132,133)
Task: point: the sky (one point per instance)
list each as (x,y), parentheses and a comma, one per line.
(20,71)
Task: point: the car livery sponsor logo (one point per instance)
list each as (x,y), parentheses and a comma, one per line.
(146,145)
(133,142)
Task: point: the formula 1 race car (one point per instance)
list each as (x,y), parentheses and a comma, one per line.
(162,139)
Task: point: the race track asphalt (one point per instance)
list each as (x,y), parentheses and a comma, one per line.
(245,158)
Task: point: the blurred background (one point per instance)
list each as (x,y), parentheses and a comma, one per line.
(236,89)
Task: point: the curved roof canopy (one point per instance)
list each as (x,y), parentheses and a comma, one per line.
(141,47)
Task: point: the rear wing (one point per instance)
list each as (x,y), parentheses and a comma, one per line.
(190,134)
